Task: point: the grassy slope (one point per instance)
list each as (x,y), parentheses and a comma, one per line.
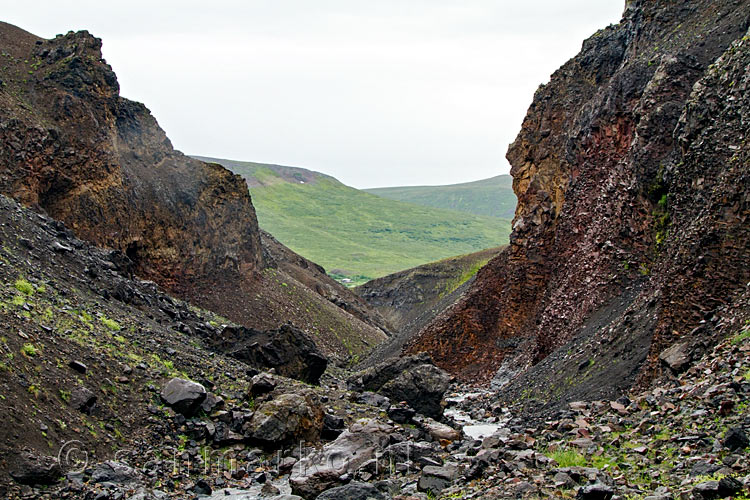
(357,234)
(491,197)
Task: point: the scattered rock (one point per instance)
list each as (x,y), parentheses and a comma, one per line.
(736,439)
(83,400)
(723,488)
(263,383)
(78,366)
(114,472)
(185,396)
(435,479)
(34,469)
(353,491)
(596,491)
(286,419)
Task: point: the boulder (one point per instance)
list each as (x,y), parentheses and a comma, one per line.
(413,379)
(262,383)
(323,469)
(676,357)
(184,396)
(596,491)
(288,350)
(710,490)
(440,431)
(34,469)
(333,426)
(83,400)
(401,414)
(354,491)
(115,473)
(372,399)
(286,419)
(435,479)
(736,439)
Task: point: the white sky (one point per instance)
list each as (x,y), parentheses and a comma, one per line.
(373,92)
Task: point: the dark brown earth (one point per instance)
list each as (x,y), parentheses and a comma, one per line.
(631,171)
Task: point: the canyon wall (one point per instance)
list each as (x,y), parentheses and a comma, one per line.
(631,231)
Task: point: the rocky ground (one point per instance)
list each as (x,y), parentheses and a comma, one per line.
(114,390)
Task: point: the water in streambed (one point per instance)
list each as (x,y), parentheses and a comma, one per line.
(467,409)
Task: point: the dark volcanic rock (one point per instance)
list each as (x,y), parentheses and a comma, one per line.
(286,419)
(736,439)
(711,490)
(288,349)
(436,479)
(595,491)
(114,472)
(183,395)
(83,399)
(353,491)
(413,379)
(35,469)
(327,468)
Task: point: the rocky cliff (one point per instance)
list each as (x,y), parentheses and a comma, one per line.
(72,147)
(631,231)
(100,163)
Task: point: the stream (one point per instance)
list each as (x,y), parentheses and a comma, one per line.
(466,410)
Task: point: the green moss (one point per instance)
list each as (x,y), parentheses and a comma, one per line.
(24,287)
(29,350)
(110,323)
(568,457)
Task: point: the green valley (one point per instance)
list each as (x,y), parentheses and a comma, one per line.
(356,235)
(490,197)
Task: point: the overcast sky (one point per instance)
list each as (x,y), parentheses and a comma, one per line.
(373,92)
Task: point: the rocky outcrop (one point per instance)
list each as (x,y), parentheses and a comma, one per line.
(631,230)
(413,379)
(287,419)
(288,350)
(100,163)
(72,147)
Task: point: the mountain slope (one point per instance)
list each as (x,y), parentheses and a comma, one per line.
(631,233)
(73,148)
(356,234)
(492,197)
(410,299)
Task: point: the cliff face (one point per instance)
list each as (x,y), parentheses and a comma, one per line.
(102,165)
(71,146)
(631,175)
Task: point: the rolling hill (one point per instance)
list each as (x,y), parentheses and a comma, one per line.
(492,197)
(356,235)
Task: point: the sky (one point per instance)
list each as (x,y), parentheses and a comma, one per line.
(374,92)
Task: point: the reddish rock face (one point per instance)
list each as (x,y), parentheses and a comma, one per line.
(631,226)
(100,163)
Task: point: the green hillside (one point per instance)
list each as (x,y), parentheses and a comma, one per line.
(357,235)
(492,197)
